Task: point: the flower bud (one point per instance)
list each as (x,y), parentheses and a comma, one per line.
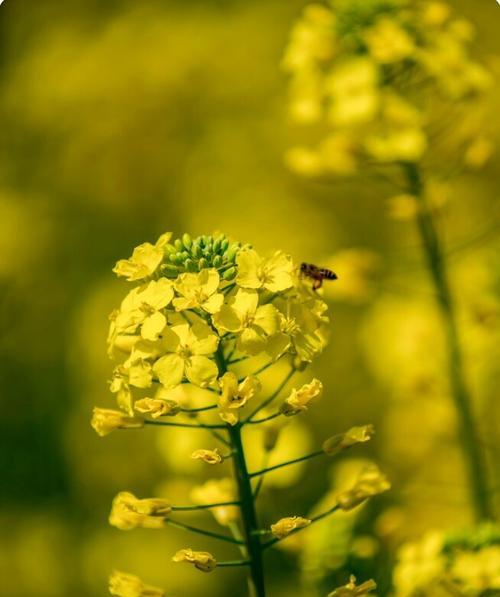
(351,590)
(128,585)
(285,526)
(105,420)
(208,456)
(355,435)
(129,512)
(203,560)
(370,482)
(300,399)
(157,407)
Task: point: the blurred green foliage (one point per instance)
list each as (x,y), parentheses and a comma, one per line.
(121,120)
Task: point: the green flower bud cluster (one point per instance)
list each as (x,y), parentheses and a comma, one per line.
(193,255)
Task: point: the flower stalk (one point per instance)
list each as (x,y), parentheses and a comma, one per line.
(468,436)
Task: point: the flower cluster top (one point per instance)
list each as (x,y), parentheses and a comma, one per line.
(193,302)
(379,73)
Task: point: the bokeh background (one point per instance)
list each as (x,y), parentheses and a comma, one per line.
(120,120)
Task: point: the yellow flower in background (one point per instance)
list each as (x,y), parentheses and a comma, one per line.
(129,512)
(199,290)
(299,400)
(187,349)
(208,456)
(242,315)
(275,273)
(156,407)
(144,261)
(285,526)
(216,491)
(202,560)
(370,482)
(357,269)
(234,395)
(122,584)
(388,42)
(477,570)
(353,590)
(355,435)
(105,420)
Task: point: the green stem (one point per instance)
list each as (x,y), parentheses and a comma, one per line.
(187,527)
(247,505)
(434,253)
(271,397)
(203,506)
(191,425)
(287,463)
(233,563)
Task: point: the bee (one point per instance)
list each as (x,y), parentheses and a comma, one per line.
(318,274)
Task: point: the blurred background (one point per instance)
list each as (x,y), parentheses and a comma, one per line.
(121,120)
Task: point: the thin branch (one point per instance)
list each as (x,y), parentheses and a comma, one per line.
(198,410)
(271,397)
(190,425)
(260,482)
(188,527)
(264,419)
(203,506)
(233,563)
(287,463)
(314,519)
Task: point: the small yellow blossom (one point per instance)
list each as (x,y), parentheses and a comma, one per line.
(202,560)
(105,420)
(235,395)
(122,584)
(402,207)
(388,42)
(157,407)
(299,400)
(144,261)
(370,482)
(199,291)
(355,435)
(285,526)
(208,456)
(274,274)
(353,590)
(253,323)
(186,349)
(217,491)
(129,512)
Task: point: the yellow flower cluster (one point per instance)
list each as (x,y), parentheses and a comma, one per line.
(466,565)
(360,67)
(169,328)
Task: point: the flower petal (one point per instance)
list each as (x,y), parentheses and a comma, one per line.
(170,370)
(267,318)
(153,326)
(248,262)
(201,370)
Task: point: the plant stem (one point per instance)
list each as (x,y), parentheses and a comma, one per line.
(188,527)
(434,254)
(287,463)
(247,505)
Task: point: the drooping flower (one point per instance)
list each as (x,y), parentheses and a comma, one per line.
(202,560)
(144,261)
(105,420)
(285,526)
(334,445)
(242,315)
(208,456)
(186,349)
(275,273)
(218,491)
(122,584)
(353,590)
(299,400)
(235,395)
(199,290)
(157,407)
(370,482)
(129,512)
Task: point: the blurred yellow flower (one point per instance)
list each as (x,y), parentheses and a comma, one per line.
(275,273)
(285,526)
(129,512)
(144,261)
(202,560)
(388,42)
(199,290)
(157,407)
(235,395)
(355,435)
(208,456)
(253,323)
(370,482)
(477,570)
(353,590)
(216,491)
(186,349)
(122,584)
(105,420)
(299,400)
